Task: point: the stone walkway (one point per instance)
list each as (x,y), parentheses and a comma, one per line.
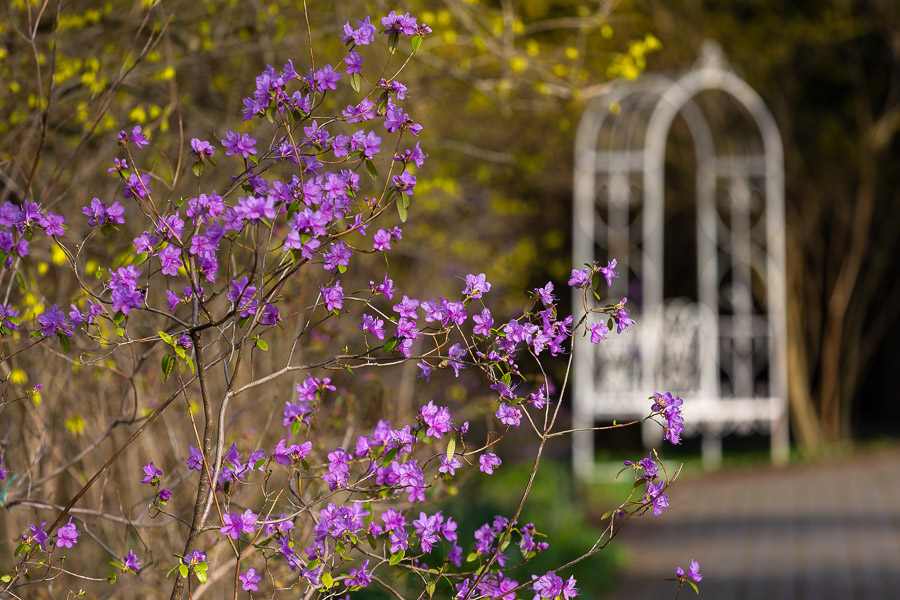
(829,530)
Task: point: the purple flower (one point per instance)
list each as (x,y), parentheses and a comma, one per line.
(545,294)
(354,62)
(623,321)
(580,279)
(372,325)
(235,523)
(130,562)
(438,419)
(67,535)
(165,495)
(548,586)
(362,36)
(476,285)
(598,332)
(38,535)
(483,322)
(694,572)
(326,78)
(656,498)
(202,149)
(54,321)
(489,462)
(405,182)
(151,474)
(609,271)
(7,313)
(382,240)
(670,407)
(137,137)
(359,577)
(270,315)
(243,144)
(250,579)
(415,155)
(195,460)
(137,186)
(170,260)
(569,590)
(449,466)
(509,415)
(399,24)
(53,224)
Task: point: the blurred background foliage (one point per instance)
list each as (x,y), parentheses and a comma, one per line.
(499,88)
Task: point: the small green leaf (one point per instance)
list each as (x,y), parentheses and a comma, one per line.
(295,427)
(693,585)
(120,332)
(507,378)
(201,576)
(21,281)
(397,557)
(64,342)
(342,268)
(390,345)
(111,578)
(118,317)
(183,569)
(166,337)
(270,114)
(372,541)
(340,548)
(23,547)
(389,458)
(354,82)
(6,578)
(382,103)
(373,172)
(190,365)
(430,587)
(451,448)
(197,169)
(262,345)
(402,211)
(393,40)
(168,365)
(472,557)
(327,581)
(258,464)
(416,43)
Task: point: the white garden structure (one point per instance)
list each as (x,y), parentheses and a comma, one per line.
(722,347)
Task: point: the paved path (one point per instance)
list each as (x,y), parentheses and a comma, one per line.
(805,532)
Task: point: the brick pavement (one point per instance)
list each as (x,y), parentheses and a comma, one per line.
(829,530)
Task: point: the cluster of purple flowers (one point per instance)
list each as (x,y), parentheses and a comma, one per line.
(669,407)
(16,224)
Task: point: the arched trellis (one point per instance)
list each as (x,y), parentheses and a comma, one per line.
(725,351)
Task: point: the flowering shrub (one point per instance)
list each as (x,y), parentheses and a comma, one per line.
(213,279)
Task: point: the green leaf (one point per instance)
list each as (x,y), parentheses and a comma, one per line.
(183,569)
(397,557)
(118,317)
(190,365)
(382,103)
(6,578)
(430,587)
(120,332)
(21,281)
(390,456)
(451,448)
(416,43)
(262,345)
(258,464)
(342,268)
(166,337)
(472,557)
(23,547)
(507,378)
(243,321)
(270,114)
(327,581)
(197,168)
(168,365)
(201,576)
(295,427)
(340,548)
(693,585)
(111,578)
(393,40)
(402,211)
(64,342)
(372,541)
(354,82)
(373,172)
(390,345)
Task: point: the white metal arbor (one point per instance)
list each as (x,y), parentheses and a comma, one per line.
(723,348)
